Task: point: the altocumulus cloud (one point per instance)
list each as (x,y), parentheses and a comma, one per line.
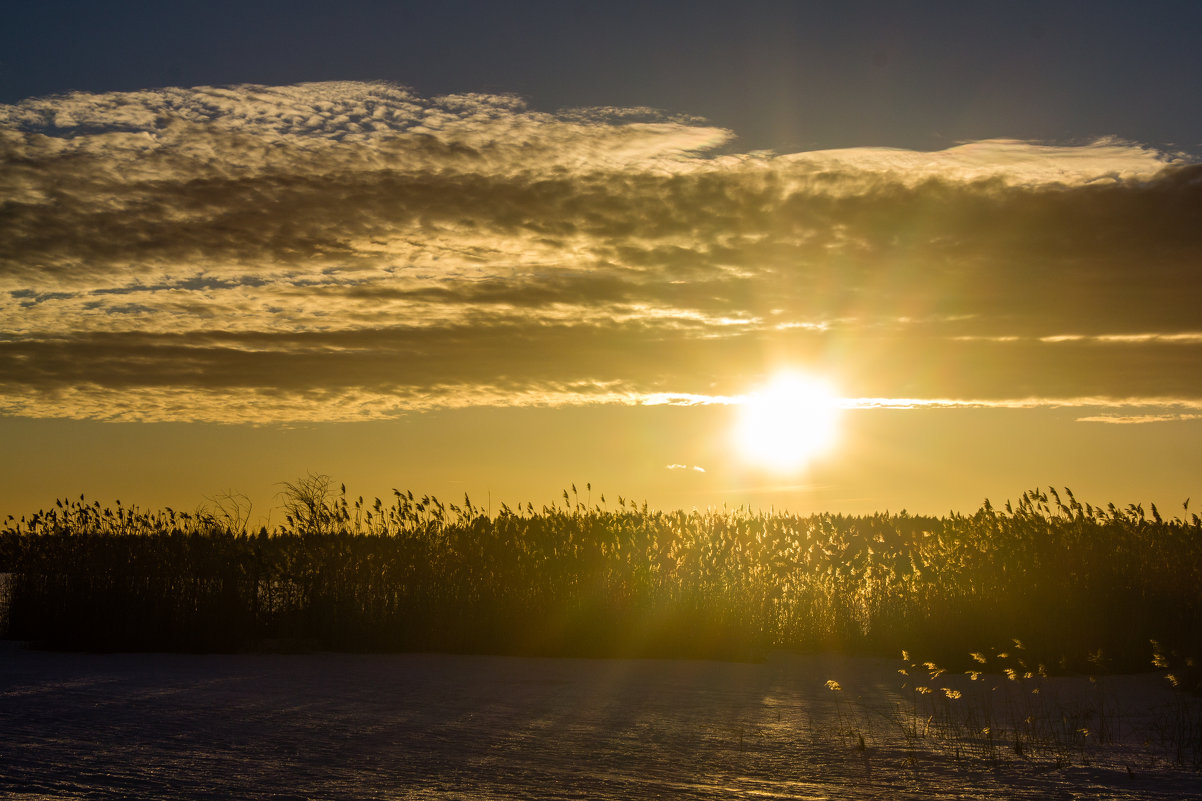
(349,251)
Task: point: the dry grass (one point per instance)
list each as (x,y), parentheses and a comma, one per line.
(1005,710)
(1073,582)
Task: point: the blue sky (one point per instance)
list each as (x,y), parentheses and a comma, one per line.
(782,75)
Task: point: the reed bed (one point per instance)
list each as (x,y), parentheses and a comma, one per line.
(1074,582)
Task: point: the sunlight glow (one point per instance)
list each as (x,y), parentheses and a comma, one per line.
(788,422)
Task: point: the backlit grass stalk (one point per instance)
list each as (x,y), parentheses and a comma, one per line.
(415,573)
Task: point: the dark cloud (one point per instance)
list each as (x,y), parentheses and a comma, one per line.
(304,245)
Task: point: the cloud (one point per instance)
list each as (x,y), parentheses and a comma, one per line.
(360,251)
(267,405)
(1137,419)
(1107,402)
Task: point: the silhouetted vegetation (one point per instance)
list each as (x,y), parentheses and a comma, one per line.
(1072,581)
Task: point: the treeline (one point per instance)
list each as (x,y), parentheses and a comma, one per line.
(1075,583)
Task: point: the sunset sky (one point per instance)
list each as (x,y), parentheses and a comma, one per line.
(503,248)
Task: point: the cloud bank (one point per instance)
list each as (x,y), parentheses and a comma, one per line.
(349,251)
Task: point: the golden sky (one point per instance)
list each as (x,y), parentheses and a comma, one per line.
(229,264)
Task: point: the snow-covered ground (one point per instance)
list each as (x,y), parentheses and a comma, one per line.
(307,726)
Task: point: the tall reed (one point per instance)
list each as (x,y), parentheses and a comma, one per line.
(414,573)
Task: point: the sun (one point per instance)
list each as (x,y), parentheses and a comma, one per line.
(786,423)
